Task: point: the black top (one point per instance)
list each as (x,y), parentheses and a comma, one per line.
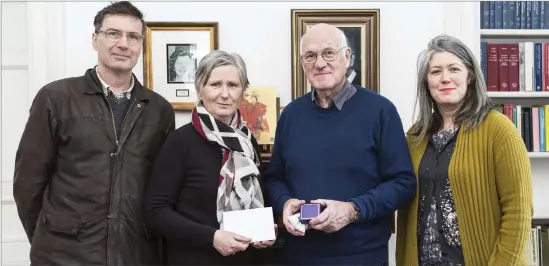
(181,200)
(438,233)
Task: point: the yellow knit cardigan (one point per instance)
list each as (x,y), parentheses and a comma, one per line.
(491,182)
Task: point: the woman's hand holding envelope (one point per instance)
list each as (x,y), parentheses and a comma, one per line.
(264,244)
(228,243)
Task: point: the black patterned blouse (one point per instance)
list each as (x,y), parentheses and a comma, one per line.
(438,234)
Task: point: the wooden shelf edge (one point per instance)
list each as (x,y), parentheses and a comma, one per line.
(538,154)
(540,221)
(514,32)
(518,94)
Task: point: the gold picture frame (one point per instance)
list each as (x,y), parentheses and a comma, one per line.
(171,54)
(266,150)
(361,27)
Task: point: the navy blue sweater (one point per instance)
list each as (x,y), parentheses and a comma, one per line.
(358,154)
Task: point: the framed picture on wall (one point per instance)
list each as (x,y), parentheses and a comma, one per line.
(361,28)
(171,54)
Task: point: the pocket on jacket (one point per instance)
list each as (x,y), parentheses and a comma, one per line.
(65,240)
(62,225)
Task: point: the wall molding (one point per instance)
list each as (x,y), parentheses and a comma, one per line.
(15,67)
(46,44)
(15,241)
(24,263)
(462,20)
(6,188)
(15,253)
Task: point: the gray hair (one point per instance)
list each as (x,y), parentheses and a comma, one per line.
(216,59)
(342,41)
(476,103)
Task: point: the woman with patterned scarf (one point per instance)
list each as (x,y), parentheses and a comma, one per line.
(206,167)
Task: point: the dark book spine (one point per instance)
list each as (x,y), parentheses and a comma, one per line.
(503,70)
(527,126)
(513,66)
(493,66)
(537,66)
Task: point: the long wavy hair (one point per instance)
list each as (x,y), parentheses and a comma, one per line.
(476,103)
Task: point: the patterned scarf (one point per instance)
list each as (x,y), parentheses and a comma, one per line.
(238,184)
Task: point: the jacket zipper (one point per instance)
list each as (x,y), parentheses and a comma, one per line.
(113,122)
(110,216)
(115,134)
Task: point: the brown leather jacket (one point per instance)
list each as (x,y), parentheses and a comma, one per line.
(78,193)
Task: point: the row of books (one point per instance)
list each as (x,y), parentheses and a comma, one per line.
(537,250)
(514,15)
(532,123)
(515,66)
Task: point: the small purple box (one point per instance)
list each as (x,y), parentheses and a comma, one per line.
(309,212)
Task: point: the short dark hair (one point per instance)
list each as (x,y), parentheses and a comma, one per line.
(118,8)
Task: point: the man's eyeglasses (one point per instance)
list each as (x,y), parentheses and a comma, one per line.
(328,55)
(132,38)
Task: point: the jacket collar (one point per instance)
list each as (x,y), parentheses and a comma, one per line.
(95,86)
(106,87)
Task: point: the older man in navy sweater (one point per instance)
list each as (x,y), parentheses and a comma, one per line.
(342,146)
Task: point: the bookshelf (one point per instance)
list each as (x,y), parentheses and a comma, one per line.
(514,38)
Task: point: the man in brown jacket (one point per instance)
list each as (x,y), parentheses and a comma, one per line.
(86,154)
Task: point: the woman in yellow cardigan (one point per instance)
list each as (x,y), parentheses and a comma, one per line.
(474,194)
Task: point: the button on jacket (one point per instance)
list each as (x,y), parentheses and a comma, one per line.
(79,184)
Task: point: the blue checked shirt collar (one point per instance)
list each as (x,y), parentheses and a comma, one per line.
(341,97)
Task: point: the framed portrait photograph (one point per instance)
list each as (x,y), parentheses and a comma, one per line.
(181,62)
(361,28)
(171,52)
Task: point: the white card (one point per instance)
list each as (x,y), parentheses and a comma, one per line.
(257,224)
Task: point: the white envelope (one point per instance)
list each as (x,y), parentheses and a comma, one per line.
(257,224)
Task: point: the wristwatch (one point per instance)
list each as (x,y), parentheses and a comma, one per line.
(356,213)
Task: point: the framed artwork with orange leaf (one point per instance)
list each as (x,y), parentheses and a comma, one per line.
(260,109)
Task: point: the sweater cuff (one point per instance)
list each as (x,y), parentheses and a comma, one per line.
(280,203)
(362,210)
(208,236)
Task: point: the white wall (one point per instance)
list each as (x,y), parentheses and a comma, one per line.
(14,109)
(260,32)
